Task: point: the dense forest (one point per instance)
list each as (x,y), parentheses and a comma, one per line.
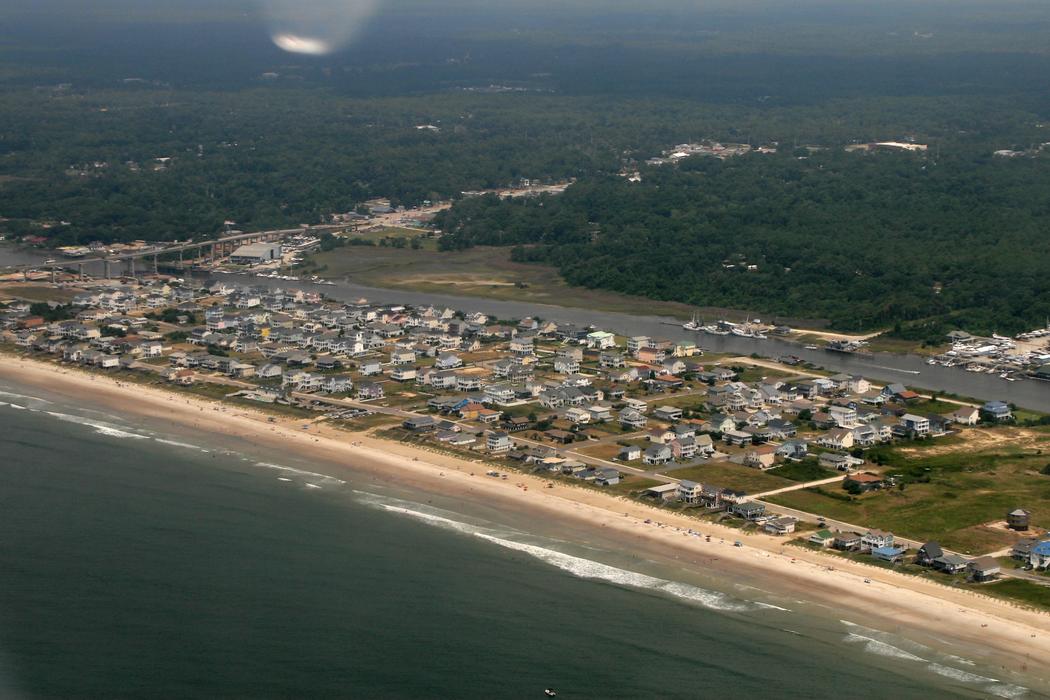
(124,120)
(866,241)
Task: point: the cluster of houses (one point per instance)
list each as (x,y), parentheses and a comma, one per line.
(575,382)
(881,546)
(472,383)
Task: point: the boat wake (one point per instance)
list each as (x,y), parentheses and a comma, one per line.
(577,566)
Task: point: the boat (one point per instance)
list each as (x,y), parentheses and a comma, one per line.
(811,347)
(550,692)
(715,329)
(693,324)
(747,330)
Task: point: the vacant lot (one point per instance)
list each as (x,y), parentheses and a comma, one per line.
(732,476)
(32,292)
(950,498)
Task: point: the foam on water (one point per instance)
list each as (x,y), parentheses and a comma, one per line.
(176,443)
(14,406)
(579,566)
(959,675)
(874,646)
(992,686)
(14,395)
(101,427)
(325,479)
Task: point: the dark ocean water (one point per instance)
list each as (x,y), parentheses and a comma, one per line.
(131,567)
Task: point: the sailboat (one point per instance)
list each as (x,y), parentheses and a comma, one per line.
(693,324)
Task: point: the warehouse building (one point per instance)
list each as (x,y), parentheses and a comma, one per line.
(256,253)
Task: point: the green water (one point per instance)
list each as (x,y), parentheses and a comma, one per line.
(135,568)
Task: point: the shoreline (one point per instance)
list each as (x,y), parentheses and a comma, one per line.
(1008,635)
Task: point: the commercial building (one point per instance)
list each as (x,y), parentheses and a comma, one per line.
(256,253)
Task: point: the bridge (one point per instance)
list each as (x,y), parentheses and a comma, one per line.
(211,249)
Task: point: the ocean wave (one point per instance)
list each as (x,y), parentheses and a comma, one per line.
(101,427)
(874,646)
(1007,690)
(581,567)
(15,395)
(301,472)
(959,660)
(14,406)
(993,686)
(959,675)
(176,443)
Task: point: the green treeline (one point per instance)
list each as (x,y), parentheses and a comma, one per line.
(866,241)
(269,157)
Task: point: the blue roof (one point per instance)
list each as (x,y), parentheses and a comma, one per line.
(1042,548)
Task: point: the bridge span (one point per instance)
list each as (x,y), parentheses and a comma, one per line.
(210,249)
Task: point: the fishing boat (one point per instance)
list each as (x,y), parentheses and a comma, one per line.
(693,324)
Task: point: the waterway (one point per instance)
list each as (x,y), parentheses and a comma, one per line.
(907,369)
(910,370)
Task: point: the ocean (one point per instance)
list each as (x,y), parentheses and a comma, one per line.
(140,561)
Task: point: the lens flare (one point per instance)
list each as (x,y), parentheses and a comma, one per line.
(301,44)
(316,27)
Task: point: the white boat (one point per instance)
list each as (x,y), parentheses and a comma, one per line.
(693,324)
(811,347)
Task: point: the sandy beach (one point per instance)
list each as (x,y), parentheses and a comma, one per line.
(1016,638)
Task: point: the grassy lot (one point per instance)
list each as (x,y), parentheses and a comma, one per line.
(882,343)
(949,498)
(631,485)
(31,292)
(603,451)
(376,420)
(1020,591)
(808,470)
(926,406)
(754,374)
(732,476)
(377,234)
